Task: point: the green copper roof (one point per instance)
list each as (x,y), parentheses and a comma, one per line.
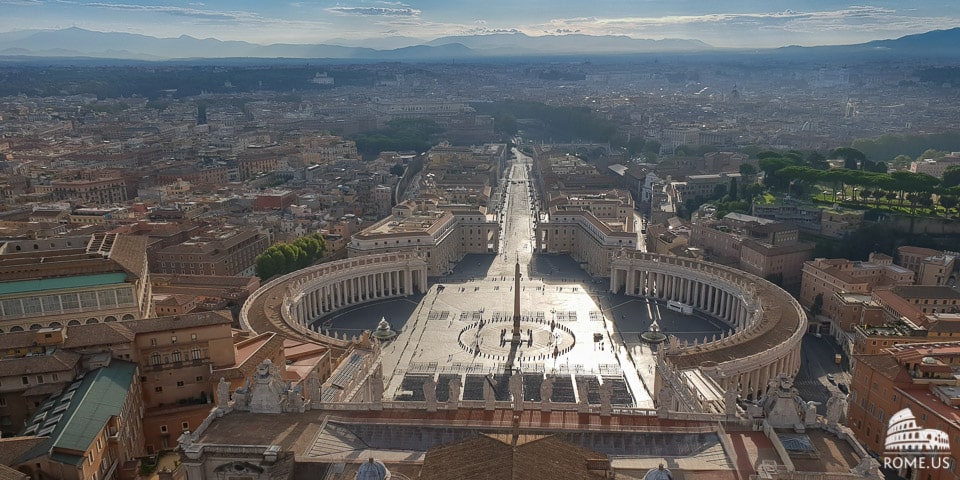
(100,396)
(77,416)
(58,283)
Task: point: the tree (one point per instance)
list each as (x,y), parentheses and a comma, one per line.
(877,195)
(817,306)
(816,160)
(719,191)
(283,258)
(851,157)
(733,190)
(948,202)
(397,170)
(747,170)
(931,154)
(770,167)
(951,177)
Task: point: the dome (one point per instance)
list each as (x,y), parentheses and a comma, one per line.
(372,470)
(658,473)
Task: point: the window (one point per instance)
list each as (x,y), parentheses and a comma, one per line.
(195,353)
(173,339)
(155,358)
(200,378)
(180,383)
(193,337)
(25,380)
(39,378)
(176,356)
(163,429)
(158,389)
(153,342)
(3,402)
(185,425)
(55,377)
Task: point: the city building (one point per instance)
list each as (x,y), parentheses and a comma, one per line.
(825,278)
(440,235)
(274,200)
(224,251)
(92,429)
(917,376)
(73,281)
(766,248)
(702,186)
(935,167)
(932,267)
(589,226)
(105,191)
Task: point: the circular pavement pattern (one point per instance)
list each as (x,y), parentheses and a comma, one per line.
(491,340)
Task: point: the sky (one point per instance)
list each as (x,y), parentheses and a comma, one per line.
(721,23)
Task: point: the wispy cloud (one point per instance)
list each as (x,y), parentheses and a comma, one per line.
(376,11)
(168,10)
(856,19)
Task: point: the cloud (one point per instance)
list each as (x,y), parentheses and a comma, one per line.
(855,19)
(376,11)
(168,10)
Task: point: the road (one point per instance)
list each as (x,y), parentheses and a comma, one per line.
(516,219)
(816,367)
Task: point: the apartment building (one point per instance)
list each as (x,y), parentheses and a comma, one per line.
(763,247)
(932,267)
(441,235)
(920,377)
(223,250)
(103,191)
(91,429)
(588,226)
(825,277)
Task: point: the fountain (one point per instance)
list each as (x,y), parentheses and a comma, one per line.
(653,336)
(383,331)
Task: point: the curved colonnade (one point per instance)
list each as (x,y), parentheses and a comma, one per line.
(294,301)
(767,322)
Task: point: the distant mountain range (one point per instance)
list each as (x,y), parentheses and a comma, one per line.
(77,42)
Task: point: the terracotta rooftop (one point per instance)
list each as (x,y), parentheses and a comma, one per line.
(190,320)
(58,361)
(927,291)
(882,363)
(110,333)
(490,458)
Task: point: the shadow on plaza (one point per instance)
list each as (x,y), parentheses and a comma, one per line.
(631,315)
(552,269)
(355,319)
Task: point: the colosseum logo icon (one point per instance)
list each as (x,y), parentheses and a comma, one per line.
(905,437)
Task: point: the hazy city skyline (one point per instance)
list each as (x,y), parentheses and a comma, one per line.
(741,23)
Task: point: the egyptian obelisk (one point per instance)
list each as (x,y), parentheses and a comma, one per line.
(516,305)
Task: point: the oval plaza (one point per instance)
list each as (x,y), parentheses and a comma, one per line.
(538,325)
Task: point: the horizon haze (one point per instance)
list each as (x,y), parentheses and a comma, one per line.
(398,24)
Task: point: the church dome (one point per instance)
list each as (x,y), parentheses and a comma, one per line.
(372,470)
(658,473)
